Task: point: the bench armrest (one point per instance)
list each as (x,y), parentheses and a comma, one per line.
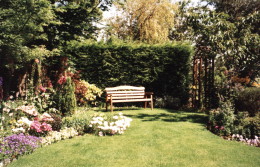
(148,93)
(108,97)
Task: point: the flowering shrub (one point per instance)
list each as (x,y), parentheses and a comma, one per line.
(13,146)
(251,142)
(101,125)
(38,128)
(221,120)
(55,136)
(86,92)
(9,114)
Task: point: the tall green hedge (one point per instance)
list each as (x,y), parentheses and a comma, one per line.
(163,69)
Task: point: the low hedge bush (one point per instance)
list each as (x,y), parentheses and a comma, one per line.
(249,100)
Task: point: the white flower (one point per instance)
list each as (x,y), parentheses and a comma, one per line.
(112,123)
(16,130)
(105,123)
(115,117)
(100,133)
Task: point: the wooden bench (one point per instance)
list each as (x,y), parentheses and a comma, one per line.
(122,94)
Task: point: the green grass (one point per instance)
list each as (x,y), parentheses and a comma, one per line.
(156,138)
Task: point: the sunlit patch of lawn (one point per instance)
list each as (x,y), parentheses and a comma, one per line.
(156,138)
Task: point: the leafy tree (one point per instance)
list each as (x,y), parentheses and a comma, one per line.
(143,20)
(35,29)
(236,8)
(21,35)
(236,40)
(77,20)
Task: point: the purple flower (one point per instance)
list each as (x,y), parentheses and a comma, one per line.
(20,144)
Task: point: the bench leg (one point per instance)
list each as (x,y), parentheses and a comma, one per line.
(145,104)
(151,105)
(106,105)
(111,106)
(152,102)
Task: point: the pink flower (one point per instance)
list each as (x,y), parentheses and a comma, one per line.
(36,126)
(46,127)
(42,89)
(222,128)
(216,127)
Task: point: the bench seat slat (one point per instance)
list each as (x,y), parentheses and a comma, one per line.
(124,95)
(127,97)
(131,100)
(124,88)
(124,92)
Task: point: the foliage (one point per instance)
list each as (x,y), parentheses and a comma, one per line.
(248,100)
(16,145)
(236,8)
(147,21)
(221,120)
(168,102)
(252,126)
(56,124)
(77,121)
(152,66)
(235,40)
(22,37)
(86,92)
(65,97)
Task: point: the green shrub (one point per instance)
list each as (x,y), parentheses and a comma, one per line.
(221,120)
(162,69)
(252,126)
(249,100)
(79,122)
(65,97)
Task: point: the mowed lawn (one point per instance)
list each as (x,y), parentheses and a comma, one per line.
(156,138)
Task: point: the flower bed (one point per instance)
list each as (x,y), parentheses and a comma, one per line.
(31,132)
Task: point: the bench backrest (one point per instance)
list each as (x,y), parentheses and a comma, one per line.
(123,92)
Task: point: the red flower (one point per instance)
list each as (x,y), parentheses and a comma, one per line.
(62,80)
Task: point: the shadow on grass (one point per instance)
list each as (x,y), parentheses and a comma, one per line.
(172,116)
(168,116)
